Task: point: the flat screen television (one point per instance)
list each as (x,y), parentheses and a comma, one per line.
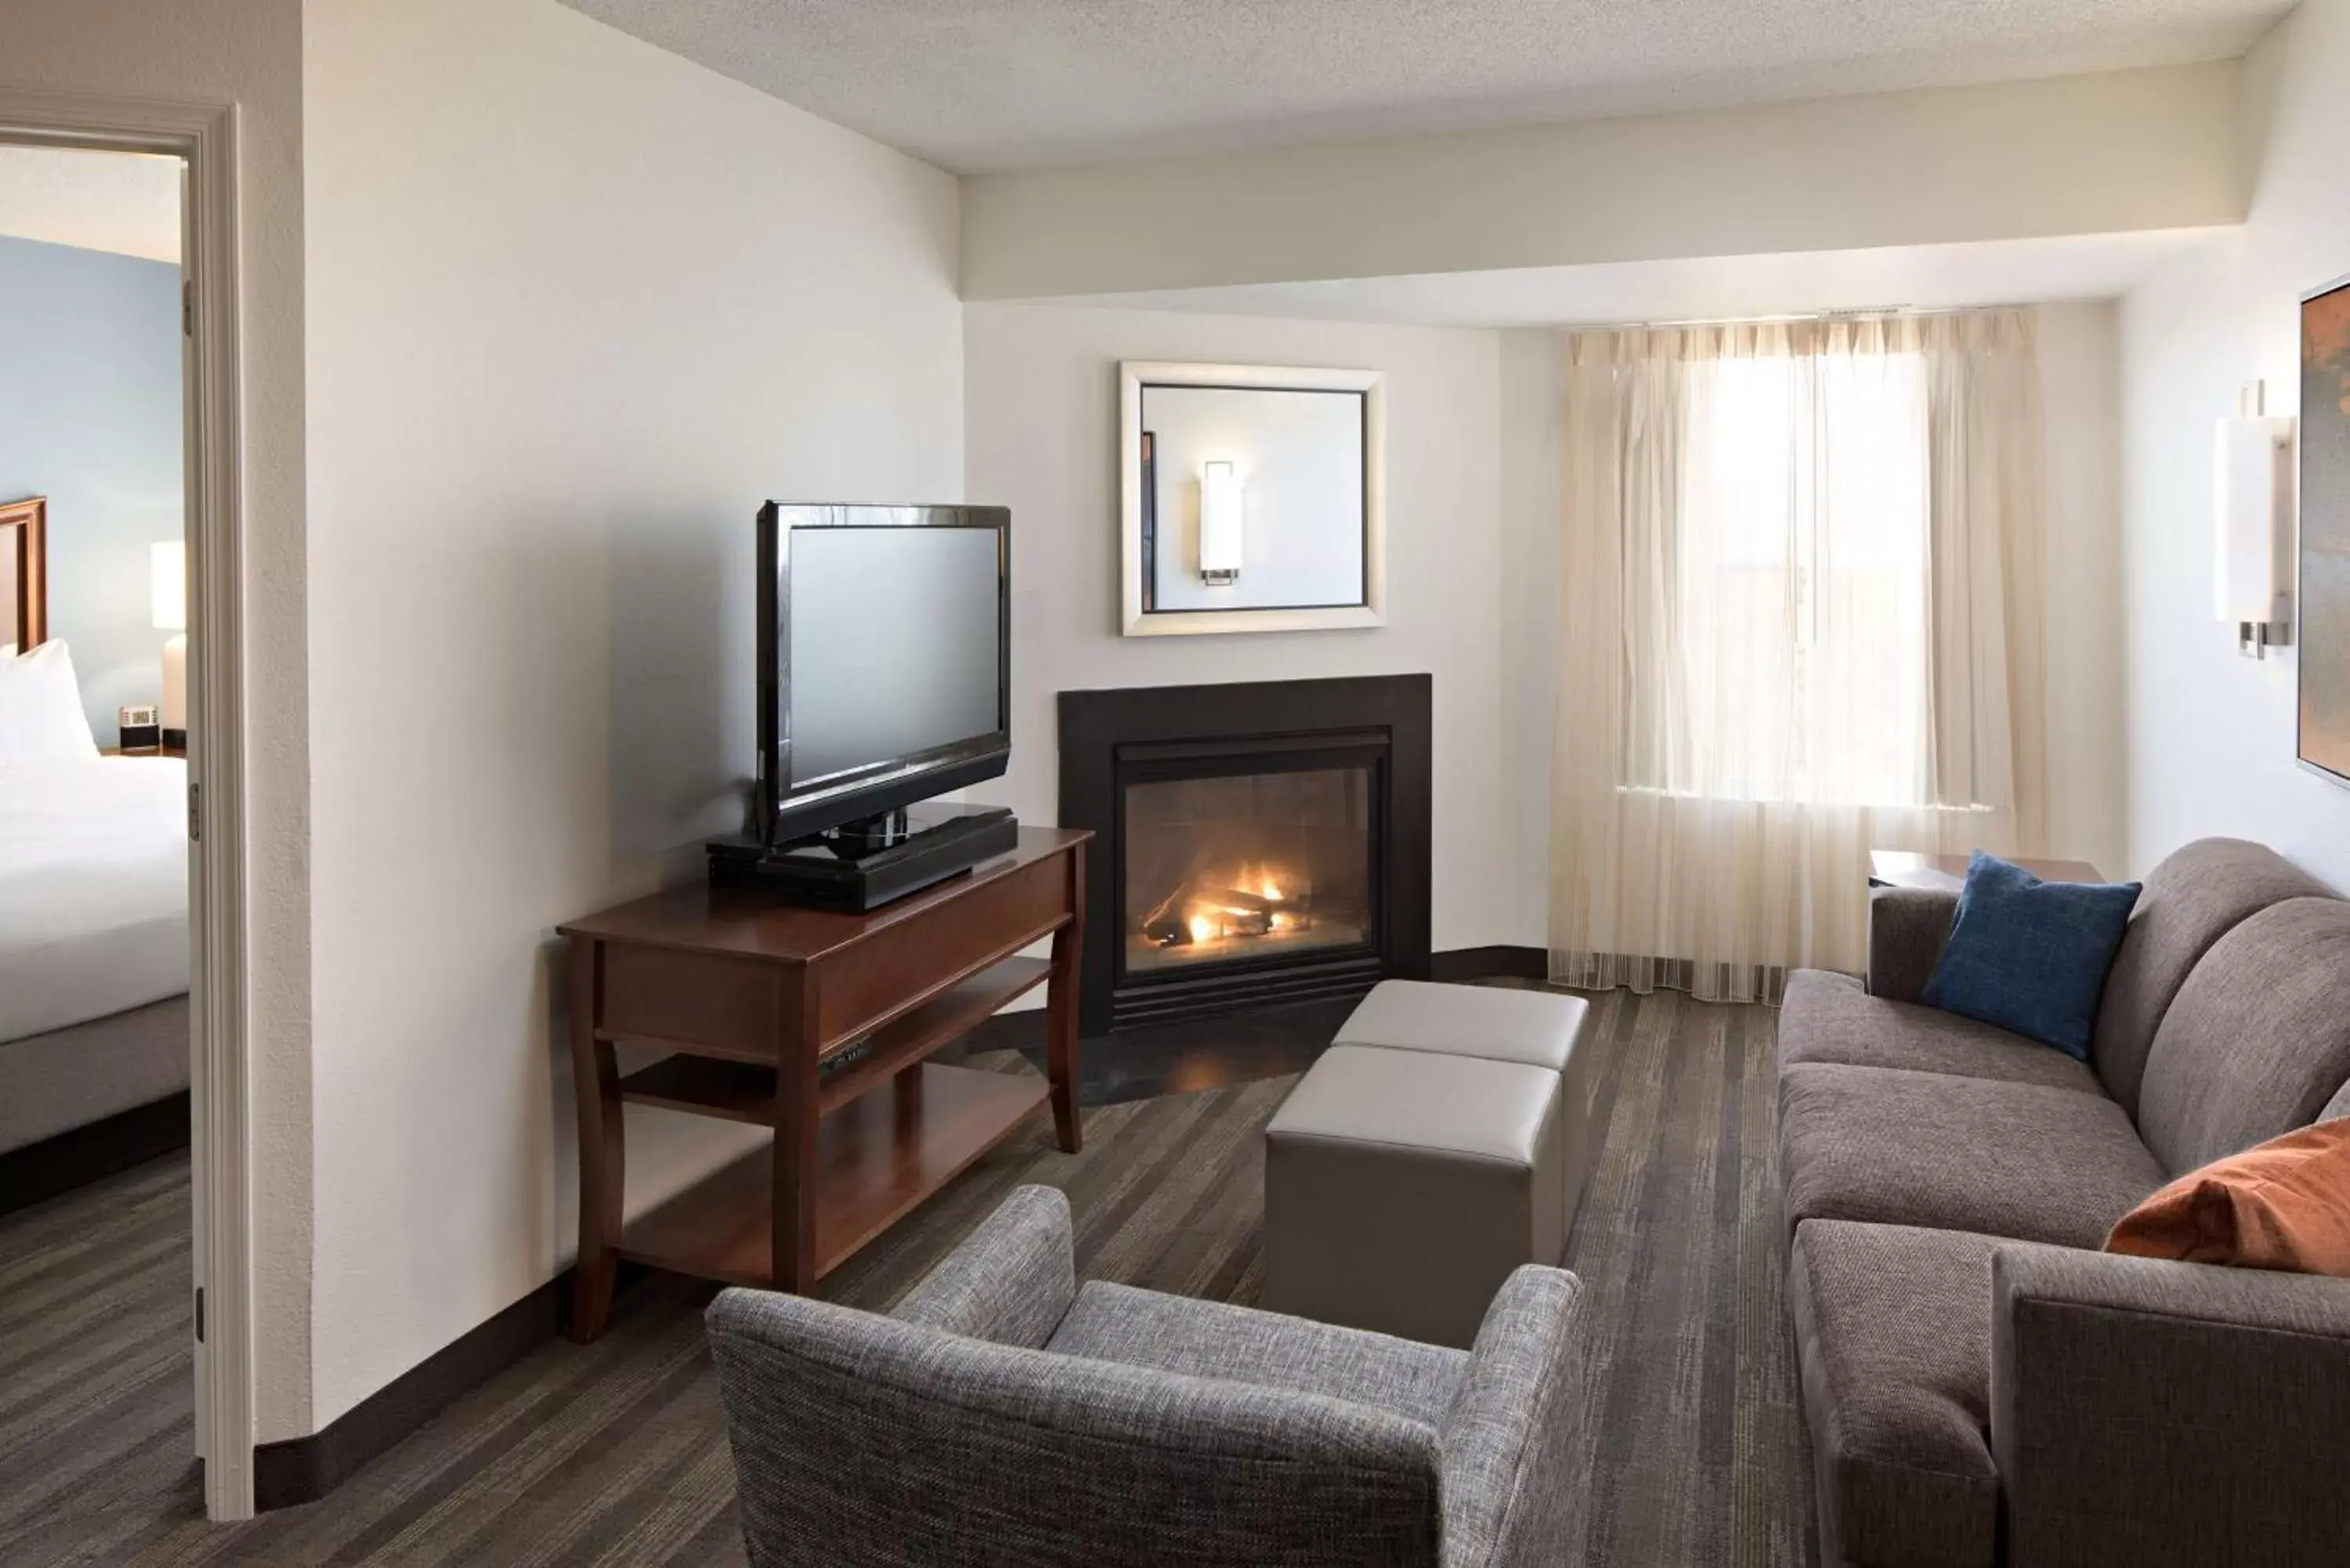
(884,659)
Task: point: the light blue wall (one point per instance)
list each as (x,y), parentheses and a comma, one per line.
(89,416)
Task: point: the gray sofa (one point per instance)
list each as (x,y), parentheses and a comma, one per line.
(1982,1384)
(1000,1415)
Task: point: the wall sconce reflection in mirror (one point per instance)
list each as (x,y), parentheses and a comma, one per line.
(1220,525)
(1276,468)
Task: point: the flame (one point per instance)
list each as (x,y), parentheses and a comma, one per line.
(1203,929)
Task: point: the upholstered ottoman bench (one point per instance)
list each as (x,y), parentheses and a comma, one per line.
(1439,1143)
(1497,1024)
(1401,1188)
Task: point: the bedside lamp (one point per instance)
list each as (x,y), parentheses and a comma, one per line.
(167,579)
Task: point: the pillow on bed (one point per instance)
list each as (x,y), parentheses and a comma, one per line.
(41,716)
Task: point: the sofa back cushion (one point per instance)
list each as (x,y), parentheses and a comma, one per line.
(2191,901)
(2257,1042)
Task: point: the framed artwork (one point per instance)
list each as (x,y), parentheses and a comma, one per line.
(1252,498)
(2324,599)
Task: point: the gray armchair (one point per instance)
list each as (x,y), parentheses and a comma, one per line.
(1002,1416)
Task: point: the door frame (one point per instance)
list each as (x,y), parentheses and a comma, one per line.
(203,136)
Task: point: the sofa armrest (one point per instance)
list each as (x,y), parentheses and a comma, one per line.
(1513,1440)
(2153,1412)
(1906,929)
(1010,1281)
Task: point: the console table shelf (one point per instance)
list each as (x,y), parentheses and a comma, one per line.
(752,998)
(875,1160)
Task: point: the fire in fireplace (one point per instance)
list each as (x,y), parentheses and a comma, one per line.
(1260,864)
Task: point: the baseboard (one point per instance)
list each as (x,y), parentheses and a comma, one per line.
(1457,965)
(82,1155)
(303,1469)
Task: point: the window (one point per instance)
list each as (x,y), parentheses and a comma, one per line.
(1791,589)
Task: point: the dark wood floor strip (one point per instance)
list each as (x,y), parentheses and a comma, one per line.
(616,1453)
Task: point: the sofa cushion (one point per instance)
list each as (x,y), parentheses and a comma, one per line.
(1241,1344)
(2258,1039)
(2193,899)
(2030,955)
(1829,1017)
(1898,1147)
(1893,1340)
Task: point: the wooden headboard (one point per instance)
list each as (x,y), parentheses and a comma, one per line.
(25,573)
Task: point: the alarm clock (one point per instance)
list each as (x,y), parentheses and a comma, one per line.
(140,726)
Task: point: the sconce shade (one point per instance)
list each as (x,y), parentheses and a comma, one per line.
(167,581)
(1219,523)
(2253,573)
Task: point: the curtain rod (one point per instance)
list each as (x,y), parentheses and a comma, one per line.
(1868,312)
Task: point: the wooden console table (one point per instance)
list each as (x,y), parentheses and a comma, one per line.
(819,1025)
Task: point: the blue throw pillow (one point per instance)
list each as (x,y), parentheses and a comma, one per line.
(2030,956)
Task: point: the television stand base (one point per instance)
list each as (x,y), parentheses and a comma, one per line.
(835,873)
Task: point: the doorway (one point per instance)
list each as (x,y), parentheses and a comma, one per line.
(155,588)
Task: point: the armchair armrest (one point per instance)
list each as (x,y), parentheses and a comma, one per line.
(1906,929)
(1010,1281)
(1514,1455)
(2154,1412)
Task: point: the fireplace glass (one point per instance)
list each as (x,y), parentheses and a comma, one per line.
(1252,866)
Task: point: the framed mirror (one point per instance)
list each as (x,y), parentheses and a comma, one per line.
(1252,498)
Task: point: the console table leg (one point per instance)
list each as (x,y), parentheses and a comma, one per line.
(596,1085)
(792,1246)
(1061,1012)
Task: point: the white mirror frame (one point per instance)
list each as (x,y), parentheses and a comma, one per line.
(1133,375)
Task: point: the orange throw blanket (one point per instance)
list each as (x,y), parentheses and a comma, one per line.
(2283,1204)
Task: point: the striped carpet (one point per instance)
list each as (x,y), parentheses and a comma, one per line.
(616,1453)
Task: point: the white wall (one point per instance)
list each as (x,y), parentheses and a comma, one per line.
(566,331)
(1041,421)
(2065,155)
(2210,733)
(2081,555)
(246,53)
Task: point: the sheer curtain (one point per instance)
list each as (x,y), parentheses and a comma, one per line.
(1801,622)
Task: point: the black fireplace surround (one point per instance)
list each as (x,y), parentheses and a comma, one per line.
(1256,843)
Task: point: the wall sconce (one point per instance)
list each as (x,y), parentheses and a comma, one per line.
(2252,459)
(167,588)
(1219,523)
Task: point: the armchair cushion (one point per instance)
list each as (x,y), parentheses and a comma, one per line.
(1215,1339)
(2165,1414)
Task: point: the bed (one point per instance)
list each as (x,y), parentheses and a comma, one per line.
(93,914)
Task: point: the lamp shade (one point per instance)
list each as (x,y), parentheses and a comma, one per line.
(1219,523)
(2252,459)
(167,579)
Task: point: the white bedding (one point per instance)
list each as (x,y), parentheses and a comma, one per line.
(93,888)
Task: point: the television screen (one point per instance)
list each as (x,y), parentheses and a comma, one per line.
(885,654)
(891,650)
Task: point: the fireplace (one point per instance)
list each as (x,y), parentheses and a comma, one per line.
(1257,843)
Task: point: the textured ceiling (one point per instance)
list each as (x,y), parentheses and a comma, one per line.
(976,85)
(123,201)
